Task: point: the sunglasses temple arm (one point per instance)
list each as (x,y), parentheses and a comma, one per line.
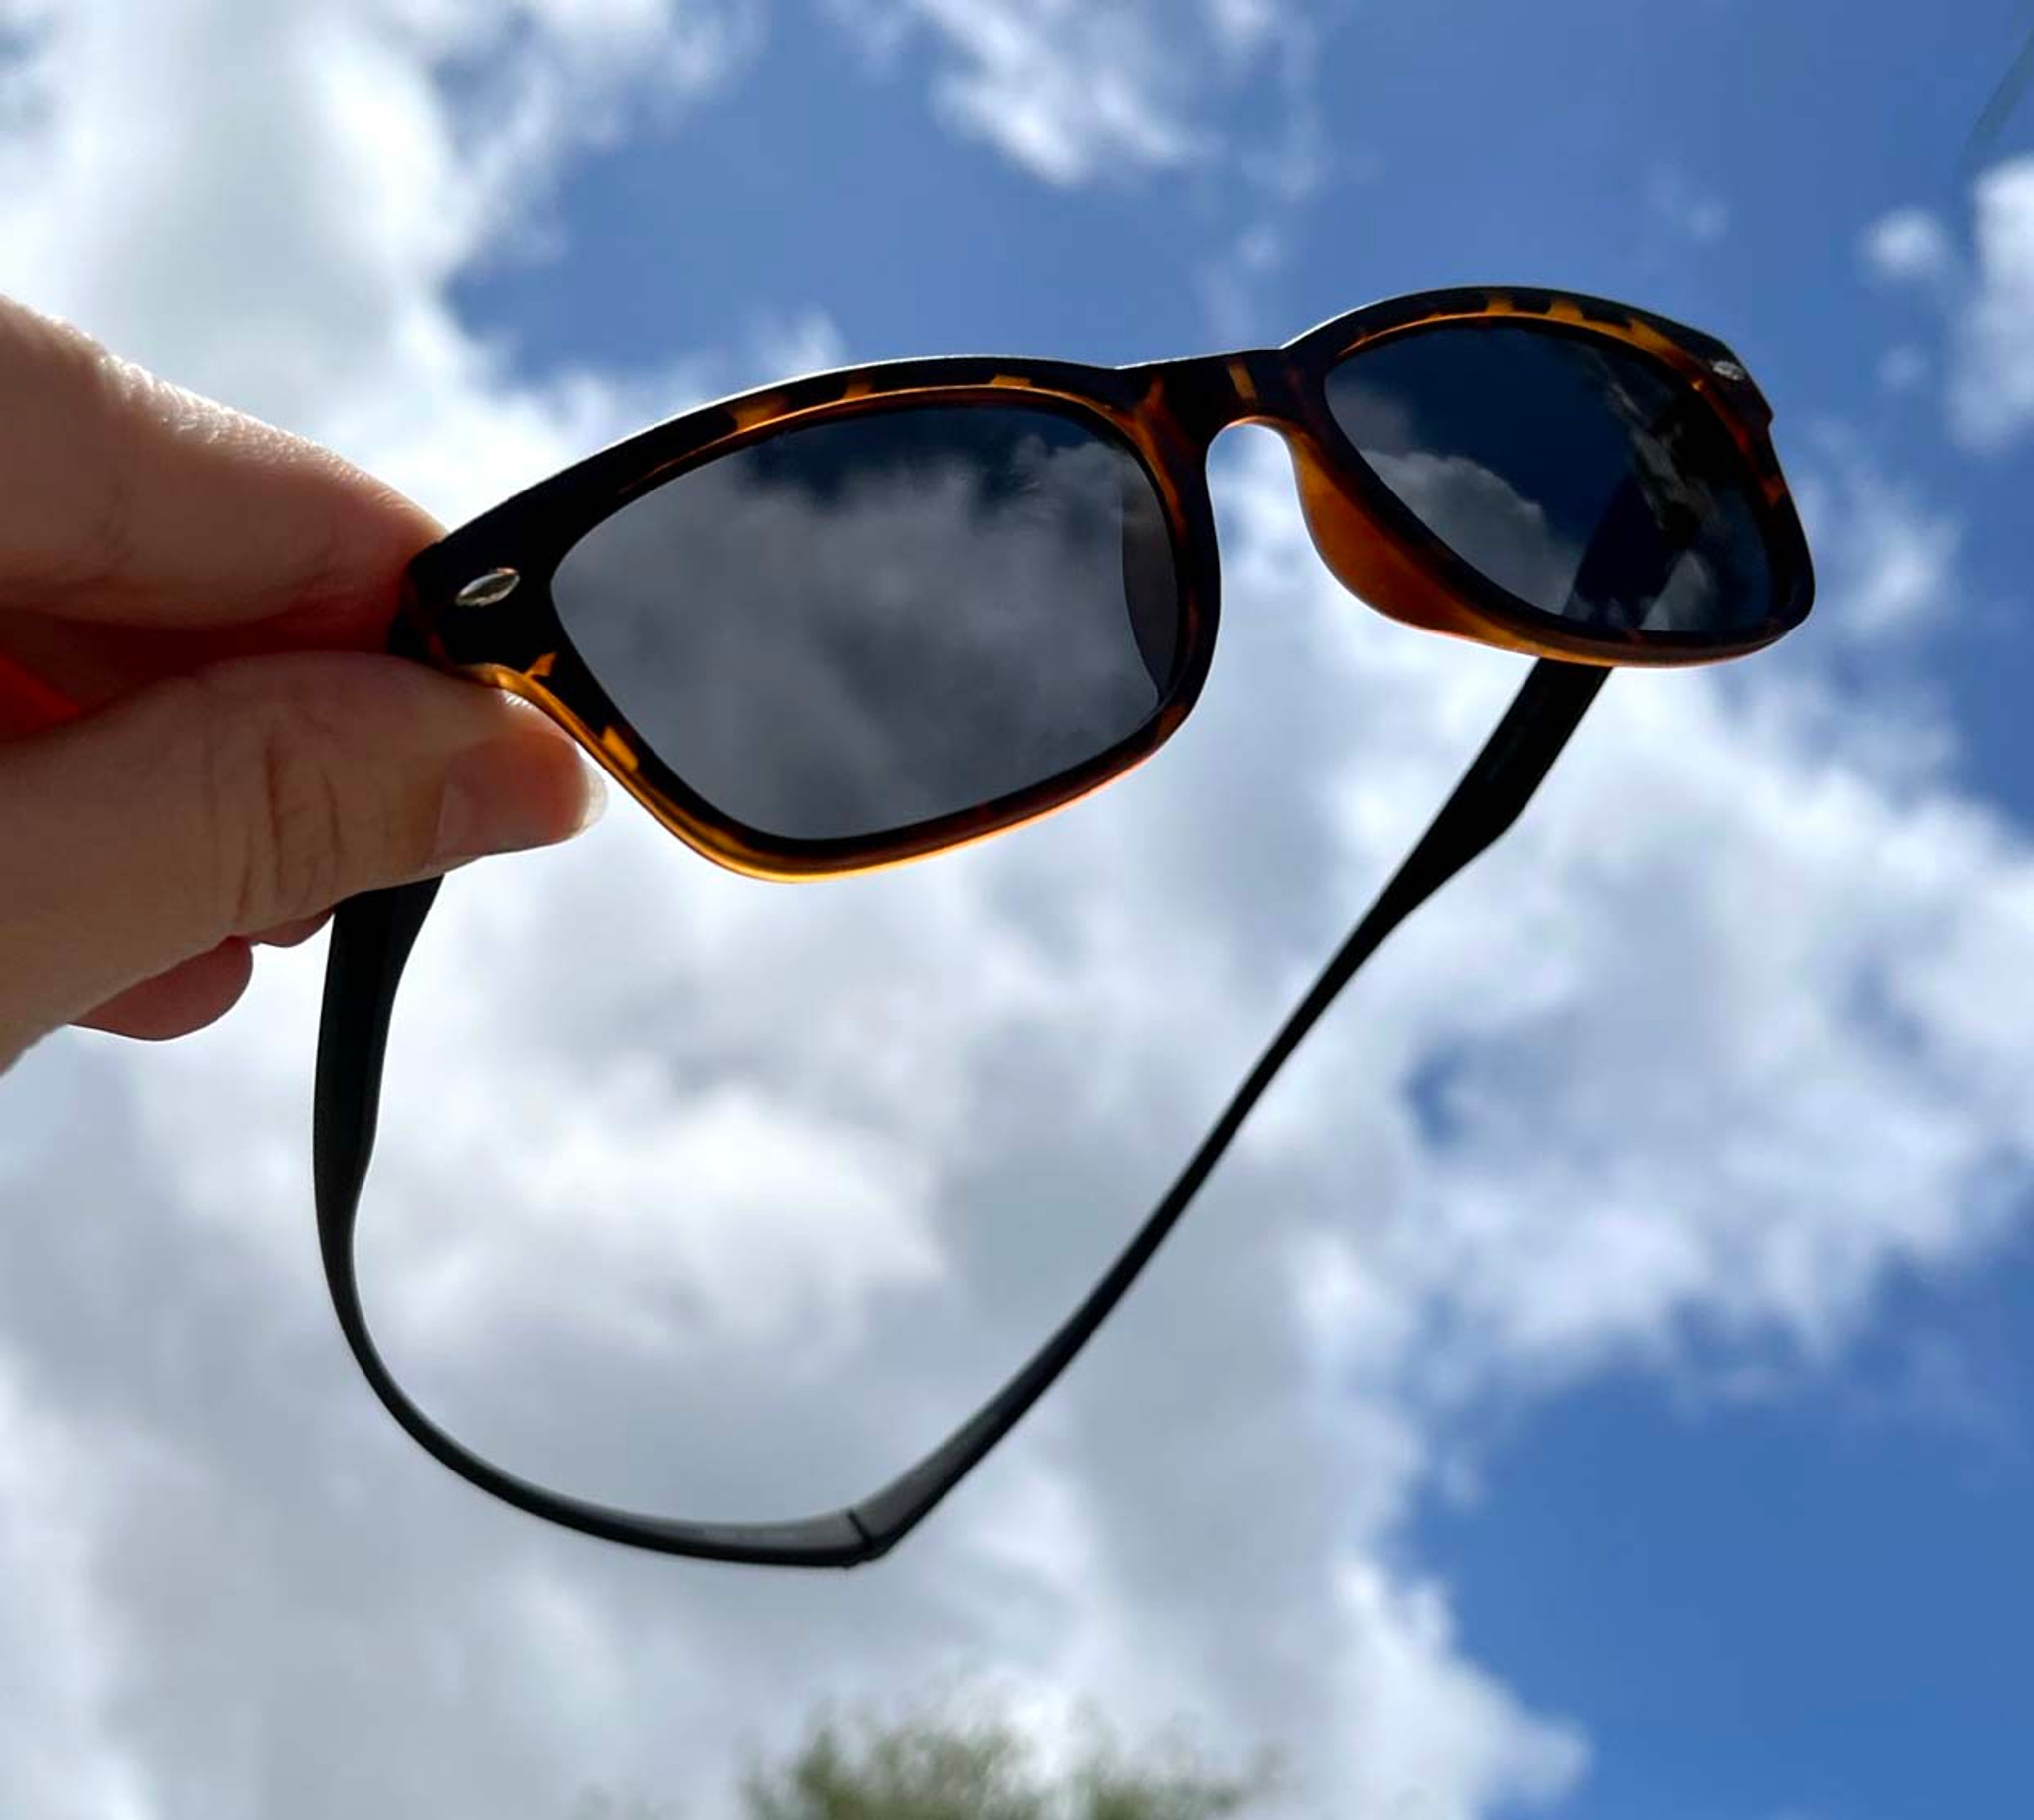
(372,934)
(372,939)
(1515,760)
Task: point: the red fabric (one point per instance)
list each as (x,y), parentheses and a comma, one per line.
(27,704)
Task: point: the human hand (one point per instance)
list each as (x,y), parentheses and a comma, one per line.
(214,596)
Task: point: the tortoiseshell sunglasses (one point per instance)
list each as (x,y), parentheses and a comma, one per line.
(876,614)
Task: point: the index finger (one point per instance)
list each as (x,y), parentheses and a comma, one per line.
(126,500)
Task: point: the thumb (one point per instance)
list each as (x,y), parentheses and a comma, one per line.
(247,795)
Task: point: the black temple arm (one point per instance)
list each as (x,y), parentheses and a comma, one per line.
(372,939)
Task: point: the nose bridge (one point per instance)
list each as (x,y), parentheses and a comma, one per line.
(1205,395)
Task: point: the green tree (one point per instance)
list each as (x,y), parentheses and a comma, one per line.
(939,1767)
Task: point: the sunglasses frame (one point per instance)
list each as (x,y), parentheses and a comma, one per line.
(479,602)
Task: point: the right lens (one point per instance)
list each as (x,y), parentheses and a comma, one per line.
(1573,472)
(854,627)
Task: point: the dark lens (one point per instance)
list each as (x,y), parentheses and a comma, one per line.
(849,628)
(1576,473)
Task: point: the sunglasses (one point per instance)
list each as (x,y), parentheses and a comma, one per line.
(872,614)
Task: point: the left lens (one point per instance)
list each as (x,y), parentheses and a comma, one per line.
(850,627)
(1574,472)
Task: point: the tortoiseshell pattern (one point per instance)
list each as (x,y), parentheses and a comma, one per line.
(1168,412)
(463,616)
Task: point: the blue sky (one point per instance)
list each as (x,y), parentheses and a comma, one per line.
(1597,1386)
(1805,1606)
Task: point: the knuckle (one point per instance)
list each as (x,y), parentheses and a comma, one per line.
(268,778)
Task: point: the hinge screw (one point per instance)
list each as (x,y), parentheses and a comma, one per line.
(485,590)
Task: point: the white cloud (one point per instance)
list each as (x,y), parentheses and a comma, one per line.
(59,1755)
(1771,862)
(1068,89)
(726,1196)
(1243,24)
(1993,401)
(1986,297)
(267,278)
(1408,1674)
(1094,91)
(1078,89)
(1886,559)
(1909,243)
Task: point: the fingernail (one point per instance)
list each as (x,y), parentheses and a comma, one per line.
(510,795)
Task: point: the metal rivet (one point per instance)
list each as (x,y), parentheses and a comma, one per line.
(1728,369)
(485,590)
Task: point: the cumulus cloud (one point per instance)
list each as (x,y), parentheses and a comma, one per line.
(1080,92)
(221,231)
(1986,296)
(726,1197)
(1887,555)
(1078,89)
(1064,87)
(1993,400)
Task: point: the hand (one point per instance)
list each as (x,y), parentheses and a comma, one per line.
(214,596)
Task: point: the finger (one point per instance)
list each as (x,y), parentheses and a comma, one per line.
(130,501)
(197,992)
(191,995)
(292,935)
(253,796)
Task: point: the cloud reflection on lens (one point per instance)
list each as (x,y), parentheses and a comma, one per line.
(862,625)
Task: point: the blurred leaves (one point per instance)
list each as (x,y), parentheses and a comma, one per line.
(928,1767)
(940,1765)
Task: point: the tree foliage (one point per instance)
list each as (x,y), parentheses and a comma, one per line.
(933,1768)
(941,1765)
